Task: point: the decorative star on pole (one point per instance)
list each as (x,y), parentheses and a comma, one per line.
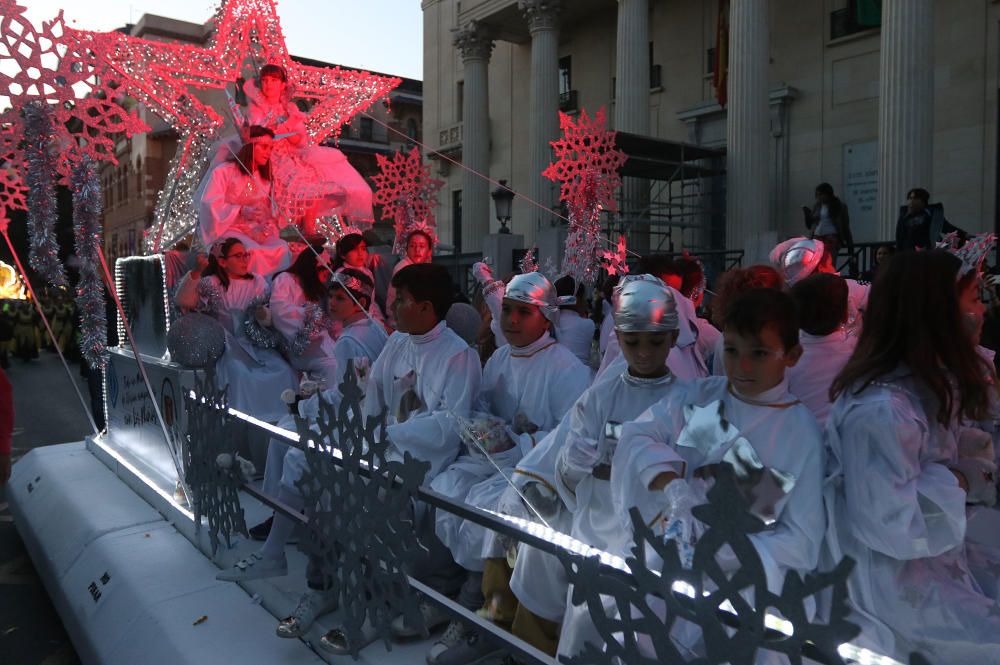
(164,75)
(408,195)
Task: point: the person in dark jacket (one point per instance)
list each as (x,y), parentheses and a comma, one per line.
(828,220)
(921,224)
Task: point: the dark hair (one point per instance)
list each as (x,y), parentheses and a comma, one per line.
(920,193)
(418,232)
(692,274)
(822,303)
(346,244)
(567,286)
(914,319)
(305,268)
(754,310)
(244,158)
(427,282)
(738,280)
(364,299)
(273,70)
(824,188)
(214,268)
(658,265)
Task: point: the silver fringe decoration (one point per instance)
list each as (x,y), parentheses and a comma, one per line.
(43,253)
(315,323)
(90,289)
(260,336)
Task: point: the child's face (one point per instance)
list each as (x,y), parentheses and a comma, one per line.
(646,352)
(341,306)
(357,257)
(522,323)
(272,87)
(411,315)
(418,249)
(755,364)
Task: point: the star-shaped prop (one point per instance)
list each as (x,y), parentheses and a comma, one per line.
(408,195)
(162,75)
(614,260)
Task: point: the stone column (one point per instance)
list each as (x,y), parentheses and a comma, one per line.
(475,46)
(632,109)
(543,118)
(906,106)
(748,132)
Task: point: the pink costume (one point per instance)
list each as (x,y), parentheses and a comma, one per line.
(232,204)
(304,172)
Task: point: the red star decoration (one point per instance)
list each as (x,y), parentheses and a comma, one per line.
(407,193)
(614,260)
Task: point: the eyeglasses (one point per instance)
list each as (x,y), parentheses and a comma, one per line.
(237,255)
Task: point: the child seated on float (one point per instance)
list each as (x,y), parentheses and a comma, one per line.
(360,343)
(528,386)
(826,346)
(574,328)
(900,484)
(665,458)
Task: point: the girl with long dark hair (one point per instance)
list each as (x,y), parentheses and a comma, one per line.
(898,483)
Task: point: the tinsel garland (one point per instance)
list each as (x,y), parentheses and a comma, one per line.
(43,253)
(261,336)
(211,294)
(315,323)
(90,289)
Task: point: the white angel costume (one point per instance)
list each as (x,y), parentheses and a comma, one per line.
(305,329)
(530,388)
(823,356)
(576,333)
(896,508)
(232,204)
(256,377)
(421,380)
(306,172)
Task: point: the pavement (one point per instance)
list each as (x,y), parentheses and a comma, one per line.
(47,411)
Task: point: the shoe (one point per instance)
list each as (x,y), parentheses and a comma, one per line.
(254,567)
(433,617)
(336,642)
(312,604)
(460,645)
(261,531)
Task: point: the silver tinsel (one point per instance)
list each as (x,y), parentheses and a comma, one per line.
(260,336)
(211,294)
(314,324)
(90,289)
(41,180)
(196,340)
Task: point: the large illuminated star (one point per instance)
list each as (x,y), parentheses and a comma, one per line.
(163,75)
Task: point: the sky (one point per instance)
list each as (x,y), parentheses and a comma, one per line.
(378,35)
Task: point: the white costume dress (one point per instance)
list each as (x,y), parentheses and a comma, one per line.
(256,377)
(232,204)
(823,356)
(419,379)
(289,312)
(618,398)
(538,384)
(359,341)
(306,172)
(896,509)
(576,333)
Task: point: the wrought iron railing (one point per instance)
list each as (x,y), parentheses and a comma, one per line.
(358,498)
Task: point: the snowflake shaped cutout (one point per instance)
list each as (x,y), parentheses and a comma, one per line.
(408,195)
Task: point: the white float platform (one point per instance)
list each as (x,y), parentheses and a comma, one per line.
(134,581)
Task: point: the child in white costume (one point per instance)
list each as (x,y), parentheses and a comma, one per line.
(898,487)
(646,324)
(528,386)
(255,376)
(749,412)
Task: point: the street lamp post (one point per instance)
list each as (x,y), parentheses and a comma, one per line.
(502,197)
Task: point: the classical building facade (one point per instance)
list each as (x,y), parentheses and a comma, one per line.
(132,187)
(814,95)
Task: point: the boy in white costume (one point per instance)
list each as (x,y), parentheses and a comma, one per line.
(528,386)
(822,303)
(749,413)
(646,325)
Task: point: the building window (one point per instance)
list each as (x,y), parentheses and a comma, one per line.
(565,74)
(460,100)
(858,16)
(655,72)
(411,129)
(367,129)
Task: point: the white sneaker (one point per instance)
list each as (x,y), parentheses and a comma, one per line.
(433,617)
(312,604)
(254,567)
(455,634)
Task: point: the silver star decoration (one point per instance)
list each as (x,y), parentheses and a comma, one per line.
(706,430)
(763,486)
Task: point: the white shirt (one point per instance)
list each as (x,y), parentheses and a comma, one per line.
(822,359)
(576,333)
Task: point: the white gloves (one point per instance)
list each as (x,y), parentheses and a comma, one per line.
(482,272)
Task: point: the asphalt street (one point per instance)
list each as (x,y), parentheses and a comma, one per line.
(48,412)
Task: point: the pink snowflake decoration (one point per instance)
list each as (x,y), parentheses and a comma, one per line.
(408,195)
(587,169)
(614,260)
(48,68)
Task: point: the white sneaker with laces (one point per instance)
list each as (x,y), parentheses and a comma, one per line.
(455,634)
(254,567)
(312,604)
(433,617)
